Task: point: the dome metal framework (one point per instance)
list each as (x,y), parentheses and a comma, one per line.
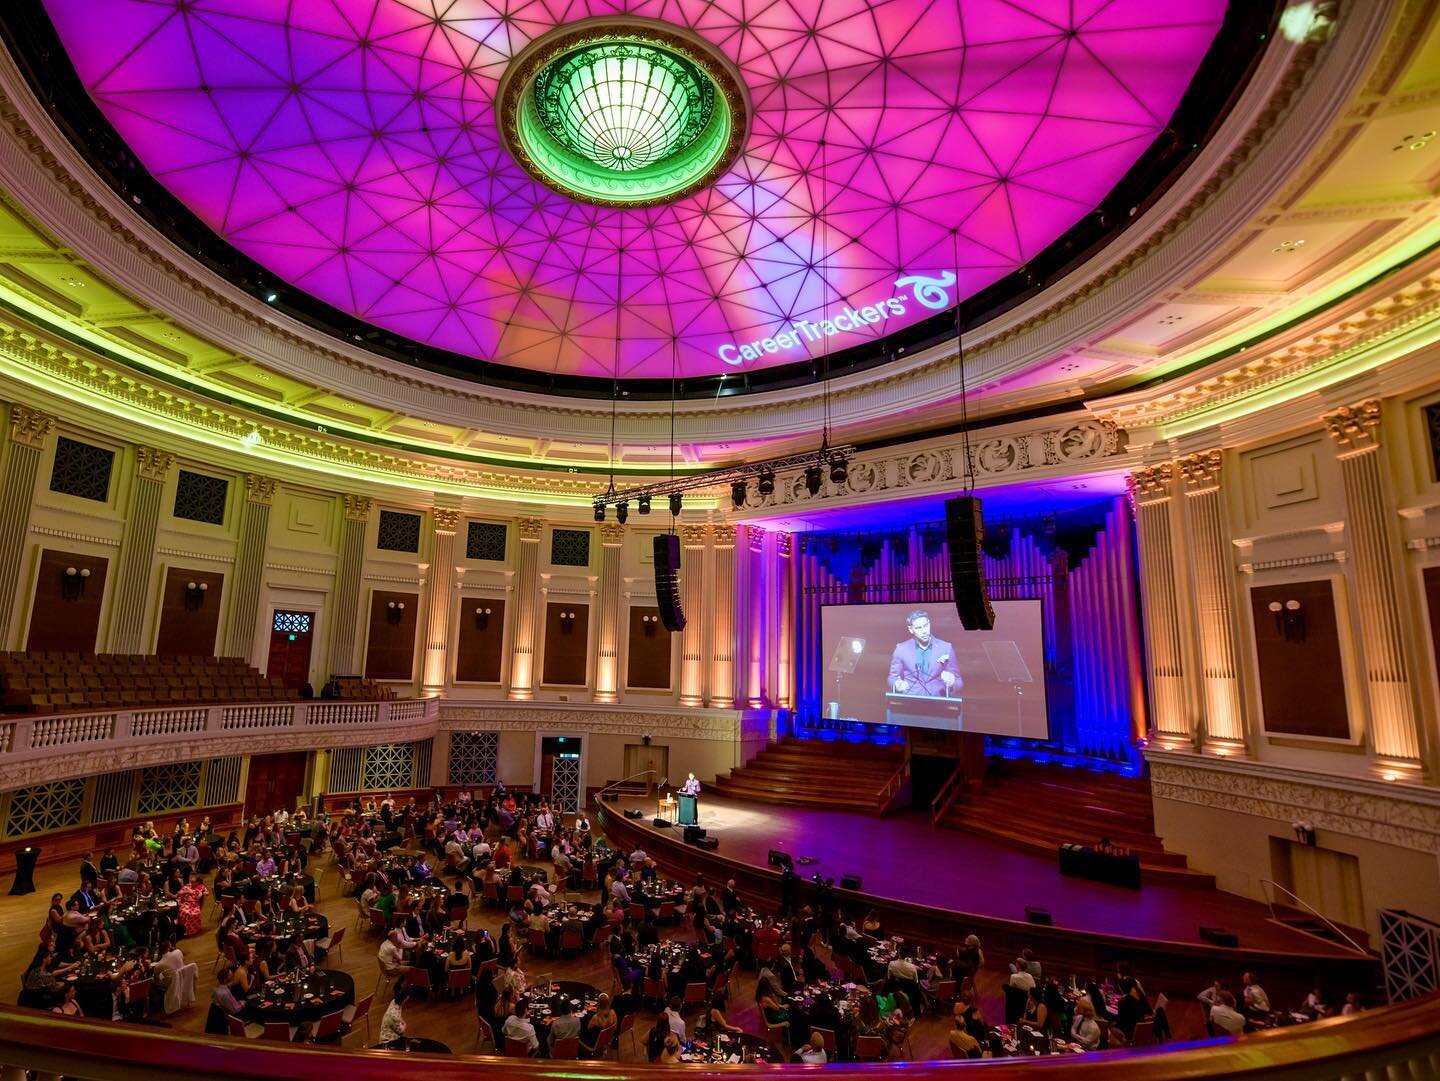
(353,149)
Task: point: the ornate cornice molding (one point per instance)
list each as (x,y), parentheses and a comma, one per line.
(29,427)
(1354,428)
(722,725)
(1387,813)
(358,508)
(1151,484)
(260,489)
(1201,472)
(153,464)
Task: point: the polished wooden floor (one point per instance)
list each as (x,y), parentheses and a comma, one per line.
(451,1023)
(903,858)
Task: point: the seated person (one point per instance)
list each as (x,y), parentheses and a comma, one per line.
(1085,1030)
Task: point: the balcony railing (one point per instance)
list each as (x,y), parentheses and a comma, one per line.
(1393,1042)
(26,741)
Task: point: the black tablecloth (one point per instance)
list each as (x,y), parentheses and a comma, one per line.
(1100,866)
(413,1043)
(330,990)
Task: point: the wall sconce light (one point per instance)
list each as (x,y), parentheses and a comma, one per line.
(482,618)
(1289,619)
(394,611)
(72,583)
(567,622)
(649,624)
(195,594)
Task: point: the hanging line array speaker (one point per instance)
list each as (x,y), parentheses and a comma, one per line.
(667,582)
(965,530)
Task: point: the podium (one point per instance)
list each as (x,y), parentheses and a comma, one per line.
(689,809)
(25,860)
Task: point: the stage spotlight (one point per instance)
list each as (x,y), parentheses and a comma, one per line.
(675,501)
(643,504)
(766,484)
(737,493)
(622,511)
(838,471)
(599,512)
(813,479)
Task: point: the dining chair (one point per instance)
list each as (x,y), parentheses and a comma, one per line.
(779,1037)
(457,982)
(483,1032)
(516,1048)
(869,1048)
(602,1043)
(328,1026)
(332,945)
(627,1024)
(277,1030)
(568,1048)
(828,1035)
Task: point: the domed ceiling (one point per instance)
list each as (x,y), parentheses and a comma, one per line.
(557,187)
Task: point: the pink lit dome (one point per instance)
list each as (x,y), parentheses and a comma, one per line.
(896,156)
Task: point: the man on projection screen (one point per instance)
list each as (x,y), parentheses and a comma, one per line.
(923,665)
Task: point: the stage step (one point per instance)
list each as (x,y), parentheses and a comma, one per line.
(1040,807)
(814,773)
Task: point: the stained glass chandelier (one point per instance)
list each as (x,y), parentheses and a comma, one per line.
(622,115)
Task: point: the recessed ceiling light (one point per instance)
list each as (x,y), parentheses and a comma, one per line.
(1288,246)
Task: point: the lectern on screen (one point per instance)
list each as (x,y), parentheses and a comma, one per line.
(914,665)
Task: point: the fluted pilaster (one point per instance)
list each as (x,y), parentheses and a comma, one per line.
(527,584)
(692,599)
(608,630)
(722,640)
(1374,549)
(28,431)
(137,550)
(1214,596)
(244,609)
(784,672)
(1165,654)
(439,602)
(345,631)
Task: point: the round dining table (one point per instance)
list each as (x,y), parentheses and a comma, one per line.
(729,1047)
(419,1045)
(297,1002)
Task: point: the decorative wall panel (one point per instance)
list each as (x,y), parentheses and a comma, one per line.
(347,769)
(1302,673)
(390,645)
(390,765)
(647,663)
(485,540)
(570,547)
(200,498)
(114,796)
(480,641)
(189,618)
(567,638)
(565,784)
(44,807)
(65,616)
(222,780)
(169,788)
(82,470)
(473,757)
(399,532)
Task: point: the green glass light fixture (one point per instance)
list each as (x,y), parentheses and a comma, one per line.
(622,114)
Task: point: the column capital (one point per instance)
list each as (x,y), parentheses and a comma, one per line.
(756,536)
(358,507)
(1201,471)
(693,536)
(152,463)
(29,427)
(782,544)
(260,489)
(724,535)
(612,534)
(530,529)
(1151,484)
(1355,428)
(445,520)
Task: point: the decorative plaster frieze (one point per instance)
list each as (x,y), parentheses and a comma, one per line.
(1337,556)
(198,557)
(724,534)
(297,568)
(29,427)
(358,508)
(1373,810)
(721,725)
(996,458)
(399,579)
(71,535)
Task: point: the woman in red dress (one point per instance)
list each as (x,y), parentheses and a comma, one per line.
(192,902)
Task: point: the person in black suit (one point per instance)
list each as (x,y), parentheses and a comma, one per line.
(89,873)
(785,968)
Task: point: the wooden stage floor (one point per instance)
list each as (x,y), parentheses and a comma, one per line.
(903,858)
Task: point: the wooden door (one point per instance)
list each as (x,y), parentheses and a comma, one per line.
(639,758)
(276,780)
(291,634)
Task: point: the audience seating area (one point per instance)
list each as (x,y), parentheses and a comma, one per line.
(814,773)
(365,690)
(43,682)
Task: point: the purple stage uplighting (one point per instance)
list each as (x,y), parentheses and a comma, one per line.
(350,146)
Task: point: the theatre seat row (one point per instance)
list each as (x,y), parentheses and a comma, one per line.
(51,681)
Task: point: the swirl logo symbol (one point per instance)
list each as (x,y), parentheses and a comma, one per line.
(929,292)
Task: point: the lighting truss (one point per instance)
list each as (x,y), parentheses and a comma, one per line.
(726,476)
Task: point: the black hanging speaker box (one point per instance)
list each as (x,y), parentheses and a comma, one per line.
(1218,936)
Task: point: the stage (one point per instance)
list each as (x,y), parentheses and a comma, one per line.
(944,883)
